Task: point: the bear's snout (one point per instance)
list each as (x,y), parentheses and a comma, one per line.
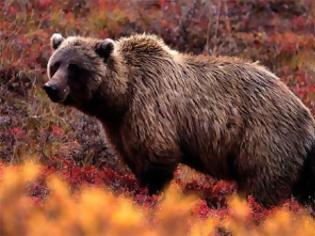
(55,93)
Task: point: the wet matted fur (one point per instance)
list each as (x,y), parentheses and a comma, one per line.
(223,116)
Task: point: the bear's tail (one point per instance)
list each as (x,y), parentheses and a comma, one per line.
(304,191)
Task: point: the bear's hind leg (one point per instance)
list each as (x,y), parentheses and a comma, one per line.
(268,165)
(267,190)
(304,189)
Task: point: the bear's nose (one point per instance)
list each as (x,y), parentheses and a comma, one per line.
(50,89)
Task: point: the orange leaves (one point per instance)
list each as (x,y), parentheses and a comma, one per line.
(95,211)
(15,206)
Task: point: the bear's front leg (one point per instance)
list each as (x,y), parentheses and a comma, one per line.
(152,154)
(156,176)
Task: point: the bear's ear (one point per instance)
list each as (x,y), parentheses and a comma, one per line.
(55,40)
(105,48)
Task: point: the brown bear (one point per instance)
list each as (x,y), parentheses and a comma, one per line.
(222,116)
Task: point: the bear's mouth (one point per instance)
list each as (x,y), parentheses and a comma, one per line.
(68,101)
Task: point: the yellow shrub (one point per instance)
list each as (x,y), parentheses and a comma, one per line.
(95,211)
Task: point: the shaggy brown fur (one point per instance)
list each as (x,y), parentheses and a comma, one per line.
(223,116)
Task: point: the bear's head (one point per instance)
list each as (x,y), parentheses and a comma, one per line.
(77,68)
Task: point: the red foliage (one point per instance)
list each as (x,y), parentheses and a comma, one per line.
(18,133)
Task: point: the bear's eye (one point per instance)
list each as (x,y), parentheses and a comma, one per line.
(54,68)
(74,68)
